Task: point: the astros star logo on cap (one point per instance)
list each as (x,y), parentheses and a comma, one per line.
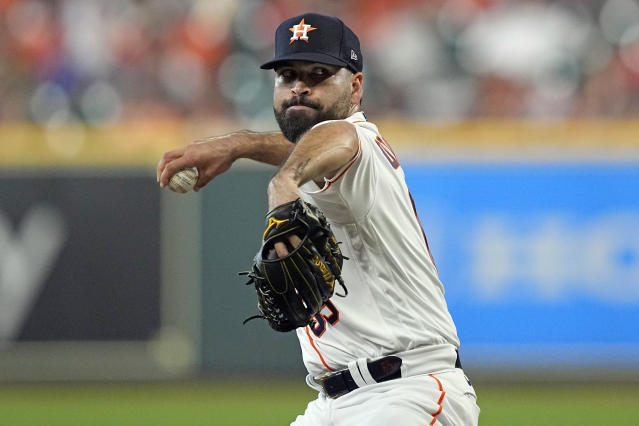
(300,31)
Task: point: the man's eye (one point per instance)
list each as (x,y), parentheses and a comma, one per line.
(286,74)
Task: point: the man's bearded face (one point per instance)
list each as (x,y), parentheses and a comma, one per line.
(327,98)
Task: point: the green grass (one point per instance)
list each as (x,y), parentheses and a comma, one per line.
(565,405)
(152,404)
(277,403)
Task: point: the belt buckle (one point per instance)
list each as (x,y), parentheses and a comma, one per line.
(327,388)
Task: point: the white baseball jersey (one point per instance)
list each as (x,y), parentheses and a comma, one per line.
(395,302)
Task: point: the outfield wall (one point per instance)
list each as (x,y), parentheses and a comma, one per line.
(534,229)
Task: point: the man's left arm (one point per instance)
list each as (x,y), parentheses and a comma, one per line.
(319,154)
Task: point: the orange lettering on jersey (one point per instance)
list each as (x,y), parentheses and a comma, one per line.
(328,314)
(272,222)
(300,31)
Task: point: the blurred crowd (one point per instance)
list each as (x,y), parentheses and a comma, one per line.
(107,61)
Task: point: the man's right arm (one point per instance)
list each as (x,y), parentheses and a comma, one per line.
(213,156)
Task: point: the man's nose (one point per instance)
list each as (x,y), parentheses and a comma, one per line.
(300,88)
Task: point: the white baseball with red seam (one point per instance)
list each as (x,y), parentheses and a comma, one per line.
(184,180)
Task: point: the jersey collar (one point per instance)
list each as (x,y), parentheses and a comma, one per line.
(357,117)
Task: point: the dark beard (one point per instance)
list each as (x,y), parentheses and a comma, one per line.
(294,124)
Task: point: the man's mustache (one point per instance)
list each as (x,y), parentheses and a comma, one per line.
(301,102)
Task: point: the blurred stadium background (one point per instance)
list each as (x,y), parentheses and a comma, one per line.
(516,122)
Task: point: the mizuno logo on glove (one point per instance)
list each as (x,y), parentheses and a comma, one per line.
(272,222)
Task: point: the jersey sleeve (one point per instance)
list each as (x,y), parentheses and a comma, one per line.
(350,193)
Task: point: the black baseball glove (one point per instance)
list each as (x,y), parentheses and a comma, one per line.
(292,289)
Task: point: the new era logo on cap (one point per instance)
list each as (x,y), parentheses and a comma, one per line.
(326,40)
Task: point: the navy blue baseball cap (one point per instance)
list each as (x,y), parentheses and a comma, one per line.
(316,38)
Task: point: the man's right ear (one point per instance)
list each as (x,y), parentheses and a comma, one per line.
(357,85)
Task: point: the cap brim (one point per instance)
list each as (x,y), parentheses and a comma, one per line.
(307,57)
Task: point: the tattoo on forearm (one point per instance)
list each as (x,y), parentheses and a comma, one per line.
(299,170)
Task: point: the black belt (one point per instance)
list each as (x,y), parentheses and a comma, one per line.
(381,370)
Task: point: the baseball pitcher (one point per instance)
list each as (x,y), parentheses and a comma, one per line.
(343,261)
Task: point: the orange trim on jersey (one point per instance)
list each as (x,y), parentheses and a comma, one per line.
(335,179)
(441,398)
(412,202)
(310,339)
(359,121)
(387,151)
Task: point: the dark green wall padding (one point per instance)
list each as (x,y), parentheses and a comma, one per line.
(233,210)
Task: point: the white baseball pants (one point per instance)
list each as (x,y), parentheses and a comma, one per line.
(441,399)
